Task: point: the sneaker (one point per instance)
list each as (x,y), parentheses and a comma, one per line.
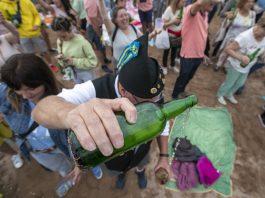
(106,69)
(63,187)
(216,68)
(120,182)
(17,161)
(97,172)
(221,100)
(262,121)
(177,60)
(164,70)
(142,181)
(175,69)
(232,99)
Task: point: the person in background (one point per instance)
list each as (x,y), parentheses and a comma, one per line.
(243,18)
(243,54)
(121,32)
(193,43)
(75,51)
(145,10)
(78,6)
(62,8)
(94,32)
(26,79)
(159,7)
(25,17)
(172,22)
(118,4)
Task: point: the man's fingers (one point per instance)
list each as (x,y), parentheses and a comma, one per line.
(95,127)
(123,104)
(80,129)
(111,125)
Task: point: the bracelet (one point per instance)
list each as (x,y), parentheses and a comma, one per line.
(163,155)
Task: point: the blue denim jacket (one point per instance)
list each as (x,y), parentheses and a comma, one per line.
(19,122)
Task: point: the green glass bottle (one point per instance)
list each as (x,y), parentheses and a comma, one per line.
(151,120)
(180,14)
(251,57)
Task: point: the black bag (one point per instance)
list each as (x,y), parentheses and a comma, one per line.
(185,151)
(175,42)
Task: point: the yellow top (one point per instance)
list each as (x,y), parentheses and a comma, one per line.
(29,14)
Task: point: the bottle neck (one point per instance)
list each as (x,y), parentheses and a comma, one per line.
(176,107)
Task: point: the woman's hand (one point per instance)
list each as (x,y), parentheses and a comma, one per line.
(75,175)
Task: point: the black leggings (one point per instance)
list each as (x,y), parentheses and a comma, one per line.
(172,58)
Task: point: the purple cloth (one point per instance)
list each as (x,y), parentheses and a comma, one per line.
(207,172)
(186,175)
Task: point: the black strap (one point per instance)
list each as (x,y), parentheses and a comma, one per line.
(116,29)
(33,126)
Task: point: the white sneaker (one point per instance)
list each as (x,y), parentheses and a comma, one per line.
(221,100)
(177,60)
(17,161)
(232,100)
(175,69)
(164,70)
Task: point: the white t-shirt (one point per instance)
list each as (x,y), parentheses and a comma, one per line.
(248,44)
(84,92)
(122,40)
(6,50)
(169,16)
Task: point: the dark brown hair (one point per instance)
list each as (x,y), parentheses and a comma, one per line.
(29,70)
(115,14)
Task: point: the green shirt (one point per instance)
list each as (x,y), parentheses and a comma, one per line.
(78,6)
(80,50)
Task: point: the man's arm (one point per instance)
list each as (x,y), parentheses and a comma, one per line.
(232,50)
(197,6)
(93,122)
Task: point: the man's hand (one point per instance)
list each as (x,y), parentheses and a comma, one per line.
(244,60)
(95,123)
(163,163)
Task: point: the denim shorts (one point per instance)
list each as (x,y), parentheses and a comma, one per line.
(30,44)
(146,16)
(94,38)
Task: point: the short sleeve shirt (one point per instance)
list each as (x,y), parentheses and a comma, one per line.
(247,44)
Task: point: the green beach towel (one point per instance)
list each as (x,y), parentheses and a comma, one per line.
(211,130)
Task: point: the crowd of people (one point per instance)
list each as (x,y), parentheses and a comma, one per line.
(39,110)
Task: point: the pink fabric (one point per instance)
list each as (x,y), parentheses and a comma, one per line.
(92,11)
(194,34)
(207,173)
(146,6)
